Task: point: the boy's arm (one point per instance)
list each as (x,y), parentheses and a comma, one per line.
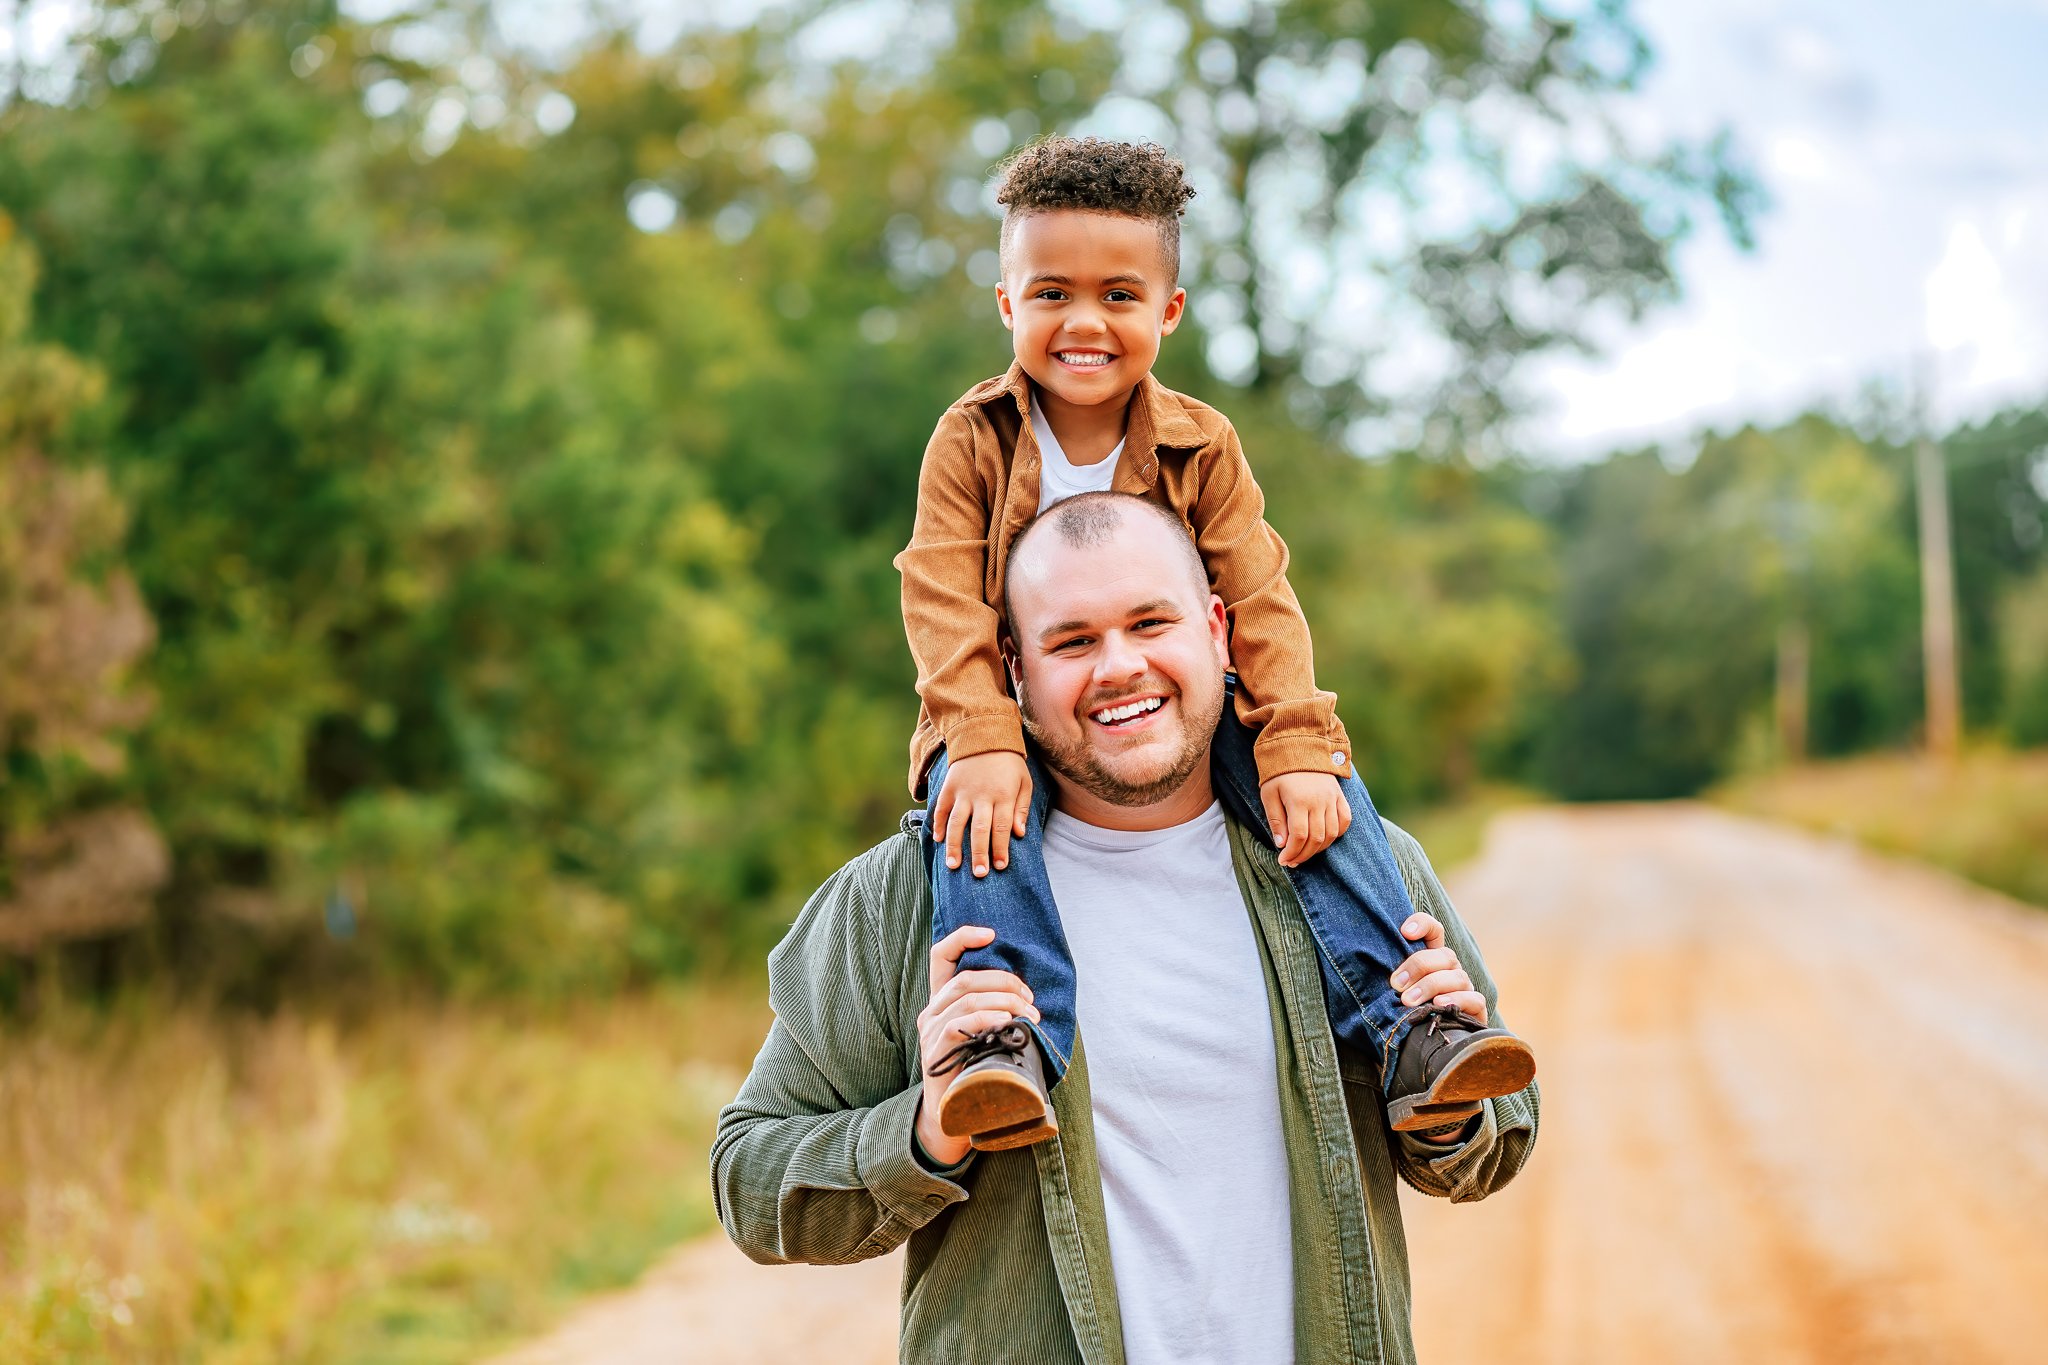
(952,630)
(1297,725)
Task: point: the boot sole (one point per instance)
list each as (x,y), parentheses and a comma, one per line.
(1485,1071)
(988,1101)
(1016,1135)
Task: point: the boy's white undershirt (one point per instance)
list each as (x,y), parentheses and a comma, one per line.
(1173,1016)
(1060,478)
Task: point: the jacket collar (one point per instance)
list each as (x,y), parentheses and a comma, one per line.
(1157,420)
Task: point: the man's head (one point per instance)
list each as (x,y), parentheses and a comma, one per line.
(1118,650)
(1090,263)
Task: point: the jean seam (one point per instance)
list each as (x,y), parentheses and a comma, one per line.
(1322,950)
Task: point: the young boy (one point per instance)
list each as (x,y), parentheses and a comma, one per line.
(1090,266)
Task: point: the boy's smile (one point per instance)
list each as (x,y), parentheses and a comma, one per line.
(1087,298)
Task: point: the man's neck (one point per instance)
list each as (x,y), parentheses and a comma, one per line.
(1086,434)
(1192,798)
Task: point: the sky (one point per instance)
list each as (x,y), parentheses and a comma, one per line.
(1905,148)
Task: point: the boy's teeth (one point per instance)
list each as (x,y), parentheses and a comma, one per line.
(1129,709)
(1083,357)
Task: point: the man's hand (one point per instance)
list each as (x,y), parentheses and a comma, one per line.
(987,796)
(1432,974)
(1306,812)
(962,1004)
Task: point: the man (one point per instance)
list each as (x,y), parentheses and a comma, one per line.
(1222,1184)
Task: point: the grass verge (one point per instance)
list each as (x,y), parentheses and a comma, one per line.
(1984,817)
(178,1185)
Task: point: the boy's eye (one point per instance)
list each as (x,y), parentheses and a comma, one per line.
(1052,295)
(1120,296)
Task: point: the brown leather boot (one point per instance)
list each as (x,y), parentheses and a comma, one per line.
(1447,1065)
(999,1100)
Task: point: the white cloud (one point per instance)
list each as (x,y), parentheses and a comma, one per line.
(1986,303)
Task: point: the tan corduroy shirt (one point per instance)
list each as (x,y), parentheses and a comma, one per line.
(978,488)
(815,1160)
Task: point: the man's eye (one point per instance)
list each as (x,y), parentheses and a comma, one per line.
(1149,622)
(1075,643)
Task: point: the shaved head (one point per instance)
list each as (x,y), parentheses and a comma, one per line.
(1088,520)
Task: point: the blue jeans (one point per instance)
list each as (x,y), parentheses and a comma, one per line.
(1351,894)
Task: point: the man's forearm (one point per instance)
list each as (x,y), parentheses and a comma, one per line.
(822,1188)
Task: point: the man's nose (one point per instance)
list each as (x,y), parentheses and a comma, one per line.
(1118,659)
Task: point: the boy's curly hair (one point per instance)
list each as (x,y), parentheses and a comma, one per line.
(1130,179)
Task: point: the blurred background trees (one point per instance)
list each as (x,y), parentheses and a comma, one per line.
(450,478)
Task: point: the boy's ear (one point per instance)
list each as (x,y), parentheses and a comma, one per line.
(1003,308)
(1175,306)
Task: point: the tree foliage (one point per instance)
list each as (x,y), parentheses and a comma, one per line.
(508,445)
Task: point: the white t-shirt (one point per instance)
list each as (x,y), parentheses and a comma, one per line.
(1173,1014)
(1057,477)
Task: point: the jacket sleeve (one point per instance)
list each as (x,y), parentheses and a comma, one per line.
(814,1160)
(952,629)
(1497,1149)
(1297,724)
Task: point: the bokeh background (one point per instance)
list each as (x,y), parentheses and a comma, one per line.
(451,456)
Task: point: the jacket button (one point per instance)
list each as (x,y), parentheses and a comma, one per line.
(1336,760)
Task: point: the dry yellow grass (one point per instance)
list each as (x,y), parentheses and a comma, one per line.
(176,1185)
(1984,817)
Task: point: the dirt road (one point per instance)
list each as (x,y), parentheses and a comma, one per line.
(1795,1109)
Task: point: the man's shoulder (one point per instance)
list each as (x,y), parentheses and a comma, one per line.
(886,885)
(1407,848)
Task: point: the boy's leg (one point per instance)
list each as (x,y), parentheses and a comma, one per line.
(1016,902)
(1351,894)
(1355,902)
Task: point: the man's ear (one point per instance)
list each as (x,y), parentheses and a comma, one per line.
(1218,621)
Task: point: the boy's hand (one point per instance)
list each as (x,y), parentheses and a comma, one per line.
(1306,812)
(988,795)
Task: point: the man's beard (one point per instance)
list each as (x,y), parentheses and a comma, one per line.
(1078,762)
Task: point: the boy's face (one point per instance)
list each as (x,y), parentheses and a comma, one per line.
(1087,299)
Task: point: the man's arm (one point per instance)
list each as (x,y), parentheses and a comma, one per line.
(1494,1152)
(814,1160)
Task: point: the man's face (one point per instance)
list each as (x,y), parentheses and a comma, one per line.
(1087,299)
(1119,656)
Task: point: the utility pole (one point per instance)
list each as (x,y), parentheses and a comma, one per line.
(1937,586)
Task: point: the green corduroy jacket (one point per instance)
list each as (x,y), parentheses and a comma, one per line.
(1008,1252)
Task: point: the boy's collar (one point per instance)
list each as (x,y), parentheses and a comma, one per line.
(1156,419)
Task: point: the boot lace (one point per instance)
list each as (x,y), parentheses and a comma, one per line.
(1011,1037)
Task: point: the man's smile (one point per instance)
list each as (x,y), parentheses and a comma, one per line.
(1126,715)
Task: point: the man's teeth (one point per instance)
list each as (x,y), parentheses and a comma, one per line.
(1128,710)
(1083,357)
